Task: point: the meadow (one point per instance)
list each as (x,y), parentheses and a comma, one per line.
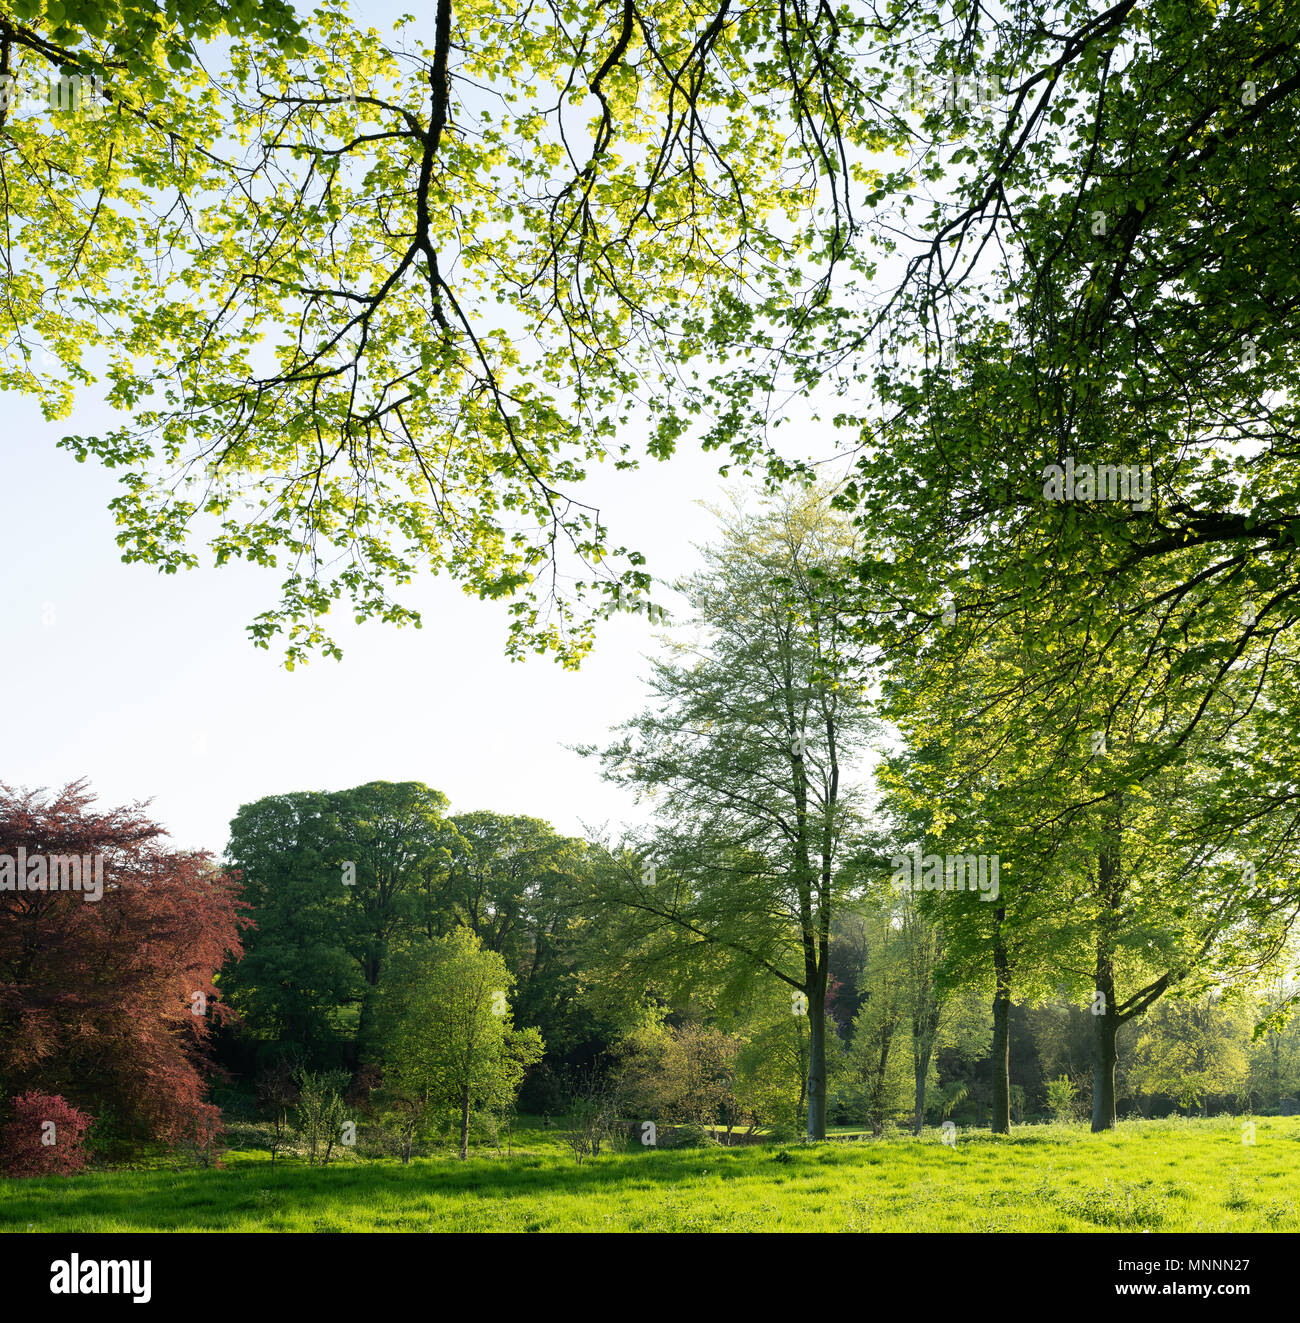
(1182,1175)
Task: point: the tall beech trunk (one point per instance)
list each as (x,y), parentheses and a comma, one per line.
(1104,1054)
(464,1122)
(1105,1011)
(1103,1074)
(817,1058)
(921,1065)
(1001,1032)
(370,970)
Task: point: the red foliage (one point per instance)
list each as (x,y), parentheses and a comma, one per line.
(44,1137)
(96,996)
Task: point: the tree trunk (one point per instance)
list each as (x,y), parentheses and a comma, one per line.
(369,994)
(1103,1070)
(1001,1123)
(1104,1009)
(817,1061)
(464,1123)
(921,1063)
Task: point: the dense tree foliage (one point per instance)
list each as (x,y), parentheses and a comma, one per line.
(109,1002)
(451,1042)
(375,304)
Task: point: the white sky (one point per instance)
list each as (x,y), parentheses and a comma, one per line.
(148,686)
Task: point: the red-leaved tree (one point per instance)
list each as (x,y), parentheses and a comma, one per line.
(44,1136)
(110,1003)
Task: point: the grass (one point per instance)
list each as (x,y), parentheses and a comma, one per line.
(1171,1175)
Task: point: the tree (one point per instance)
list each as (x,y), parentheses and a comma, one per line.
(594,1101)
(298,975)
(772,1064)
(1191,1049)
(450,1041)
(1125,856)
(1084,347)
(970,863)
(516,883)
(309,257)
(321,1112)
(334,879)
(109,1001)
(682,1075)
(1275,1047)
(326,318)
(385,831)
(877,1074)
(745,752)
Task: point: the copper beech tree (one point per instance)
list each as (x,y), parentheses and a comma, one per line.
(109,1002)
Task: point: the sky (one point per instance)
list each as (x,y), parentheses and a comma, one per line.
(148,686)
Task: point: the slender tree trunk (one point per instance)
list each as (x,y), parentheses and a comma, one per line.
(1001,1123)
(366,1020)
(921,1064)
(1104,1010)
(464,1122)
(817,1060)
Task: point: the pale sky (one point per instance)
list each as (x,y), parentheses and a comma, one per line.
(148,685)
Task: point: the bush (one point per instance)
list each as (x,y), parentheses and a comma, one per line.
(690,1136)
(594,1101)
(1060,1098)
(45,1136)
(783,1132)
(321,1112)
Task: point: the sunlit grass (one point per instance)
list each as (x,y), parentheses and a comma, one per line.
(1173,1175)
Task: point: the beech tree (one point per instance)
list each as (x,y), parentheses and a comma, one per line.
(334,880)
(750,752)
(373,303)
(1138,857)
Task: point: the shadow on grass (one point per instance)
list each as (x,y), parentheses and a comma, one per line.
(250,1191)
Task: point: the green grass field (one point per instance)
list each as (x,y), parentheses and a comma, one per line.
(1173,1175)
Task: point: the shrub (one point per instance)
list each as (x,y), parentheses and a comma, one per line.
(783,1132)
(594,1101)
(1060,1098)
(690,1136)
(45,1136)
(321,1112)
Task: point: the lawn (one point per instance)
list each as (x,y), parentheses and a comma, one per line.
(1171,1175)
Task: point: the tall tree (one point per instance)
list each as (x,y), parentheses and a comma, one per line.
(374,302)
(335,878)
(750,753)
(297,979)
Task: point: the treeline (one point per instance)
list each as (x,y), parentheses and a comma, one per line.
(355,893)
(874,889)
